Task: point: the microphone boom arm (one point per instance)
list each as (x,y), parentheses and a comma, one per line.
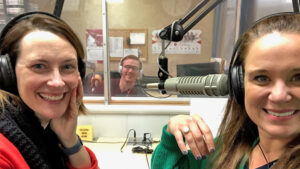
(176,31)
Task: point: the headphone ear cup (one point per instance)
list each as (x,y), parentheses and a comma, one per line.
(120,69)
(7,75)
(140,74)
(237,83)
(81,68)
(120,65)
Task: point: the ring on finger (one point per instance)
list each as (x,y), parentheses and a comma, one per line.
(186,129)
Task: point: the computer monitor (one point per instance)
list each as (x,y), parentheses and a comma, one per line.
(198,69)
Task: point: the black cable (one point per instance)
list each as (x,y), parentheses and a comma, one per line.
(263,155)
(134,136)
(252,132)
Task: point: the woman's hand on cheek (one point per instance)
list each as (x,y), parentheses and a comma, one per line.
(65,126)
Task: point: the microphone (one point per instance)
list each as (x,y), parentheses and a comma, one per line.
(209,85)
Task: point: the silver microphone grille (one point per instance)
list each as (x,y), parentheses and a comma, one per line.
(210,85)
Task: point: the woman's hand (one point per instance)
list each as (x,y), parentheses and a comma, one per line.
(65,126)
(196,133)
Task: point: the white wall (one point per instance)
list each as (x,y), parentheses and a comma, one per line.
(117,125)
(211,110)
(117,120)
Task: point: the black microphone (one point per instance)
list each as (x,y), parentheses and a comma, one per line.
(209,85)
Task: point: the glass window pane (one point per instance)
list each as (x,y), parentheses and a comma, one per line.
(133,27)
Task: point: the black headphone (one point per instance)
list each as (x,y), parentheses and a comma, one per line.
(236,75)
(236,69)
(7,72)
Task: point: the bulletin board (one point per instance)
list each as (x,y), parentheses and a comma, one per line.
(126,35)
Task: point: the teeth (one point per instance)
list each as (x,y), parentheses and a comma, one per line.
(281,114)
(52,98)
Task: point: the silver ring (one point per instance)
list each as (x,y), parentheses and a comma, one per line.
(186,130)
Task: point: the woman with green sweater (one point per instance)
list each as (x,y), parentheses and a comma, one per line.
(261,125)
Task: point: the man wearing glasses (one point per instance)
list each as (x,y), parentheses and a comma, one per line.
(130,68)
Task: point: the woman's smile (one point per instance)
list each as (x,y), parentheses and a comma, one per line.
(52,97)
(281,113)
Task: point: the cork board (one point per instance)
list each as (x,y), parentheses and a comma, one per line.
(125,34)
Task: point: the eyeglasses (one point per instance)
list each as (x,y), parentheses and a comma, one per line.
(134,68)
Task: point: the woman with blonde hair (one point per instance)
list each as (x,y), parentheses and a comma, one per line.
(261,125)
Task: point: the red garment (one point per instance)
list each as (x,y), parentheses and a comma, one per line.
(10,157)
(93,160)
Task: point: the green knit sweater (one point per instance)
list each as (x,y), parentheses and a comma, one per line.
(167,155)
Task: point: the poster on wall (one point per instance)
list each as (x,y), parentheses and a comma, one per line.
(190,44)
(94,45)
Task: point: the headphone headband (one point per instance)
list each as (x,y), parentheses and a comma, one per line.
(22,17)
(132,57)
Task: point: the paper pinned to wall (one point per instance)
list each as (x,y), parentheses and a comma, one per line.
(116,46)
(137,38)
(94,53)
(131,51)
(211,110)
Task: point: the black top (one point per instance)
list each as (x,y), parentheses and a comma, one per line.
(266,166)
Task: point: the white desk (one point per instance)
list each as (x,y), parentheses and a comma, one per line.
(110,157)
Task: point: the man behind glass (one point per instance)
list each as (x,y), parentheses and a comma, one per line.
(130,69)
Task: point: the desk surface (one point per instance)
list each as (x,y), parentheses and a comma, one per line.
(110,157)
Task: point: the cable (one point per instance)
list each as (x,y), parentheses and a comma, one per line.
(144,147)
(160,68)
(134,136)
(252,132)
(263,155)
(148,94)
(147,161)
(148,150)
